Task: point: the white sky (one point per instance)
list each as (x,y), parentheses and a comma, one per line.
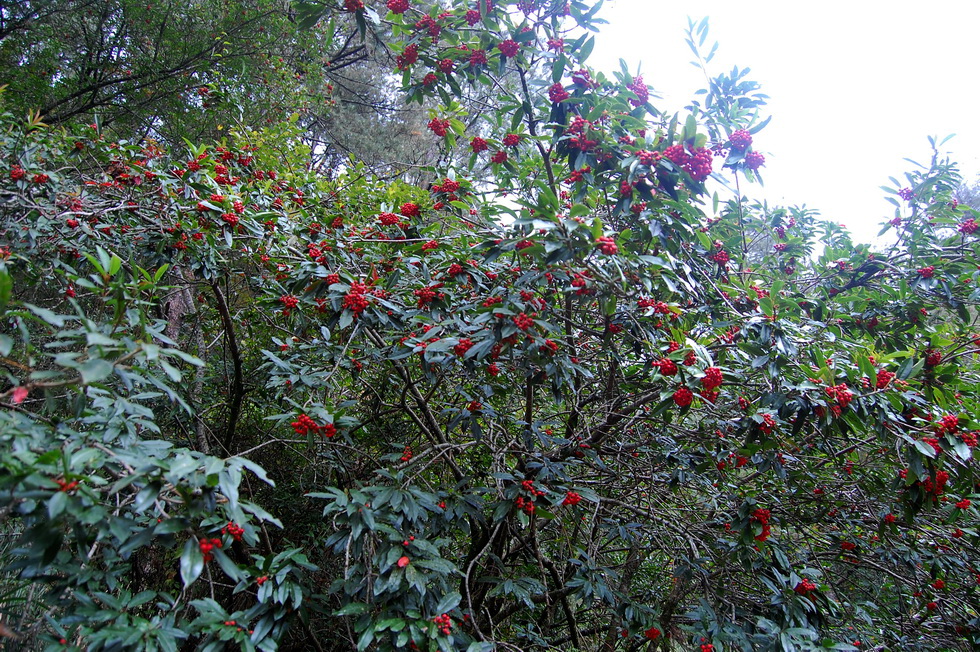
(855,87)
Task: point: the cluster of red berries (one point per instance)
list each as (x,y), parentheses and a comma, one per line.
(389,219)
(933,357)
(754,160)
(841,394)
(607,245)
(528,486)
(696,163)
(641,91)
(950,423)
(721,257)
(66,486)
(304,424)
(398,6)
(968,227)
(683,397)
(207,546)
(512,140)
(444,623)
(425,296)
(571,498)
(740,140)
(550,347)
(439,127)
(557,93)
(963,504)
(805,587)
(848,546)
(356,301)
(408,57)
(884,379)
(499,157)
(407,454)
(927,272)
(666,366)
(936,488)
(409,209)
(578,175)
(768,424)
(523,321)
(509,48)
(659,307)
(556,44)
(578,132)
(712,378)
(429,25)
(40,178)
(465,344)
(762,516)
(652,634)
(234,530)
(289,301)
(648,158)
(478,145)
(525,504)
(906,194)
(17,173)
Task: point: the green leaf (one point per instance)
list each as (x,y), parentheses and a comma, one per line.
(257,470)
(352,609)
(308,14)
(448,602)
(172,372)
(229,567)
(94,370)
(57,504)
(114,265)
(46,315)
(586,50)
(191,562)
(6,287)
(366,638)
(261,513)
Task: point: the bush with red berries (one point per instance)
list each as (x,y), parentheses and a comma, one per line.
(554,398)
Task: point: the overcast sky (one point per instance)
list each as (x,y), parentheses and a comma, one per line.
(855,86)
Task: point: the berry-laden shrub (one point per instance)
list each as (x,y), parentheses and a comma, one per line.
(553,399)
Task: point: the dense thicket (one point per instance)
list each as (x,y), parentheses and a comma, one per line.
(537,388)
